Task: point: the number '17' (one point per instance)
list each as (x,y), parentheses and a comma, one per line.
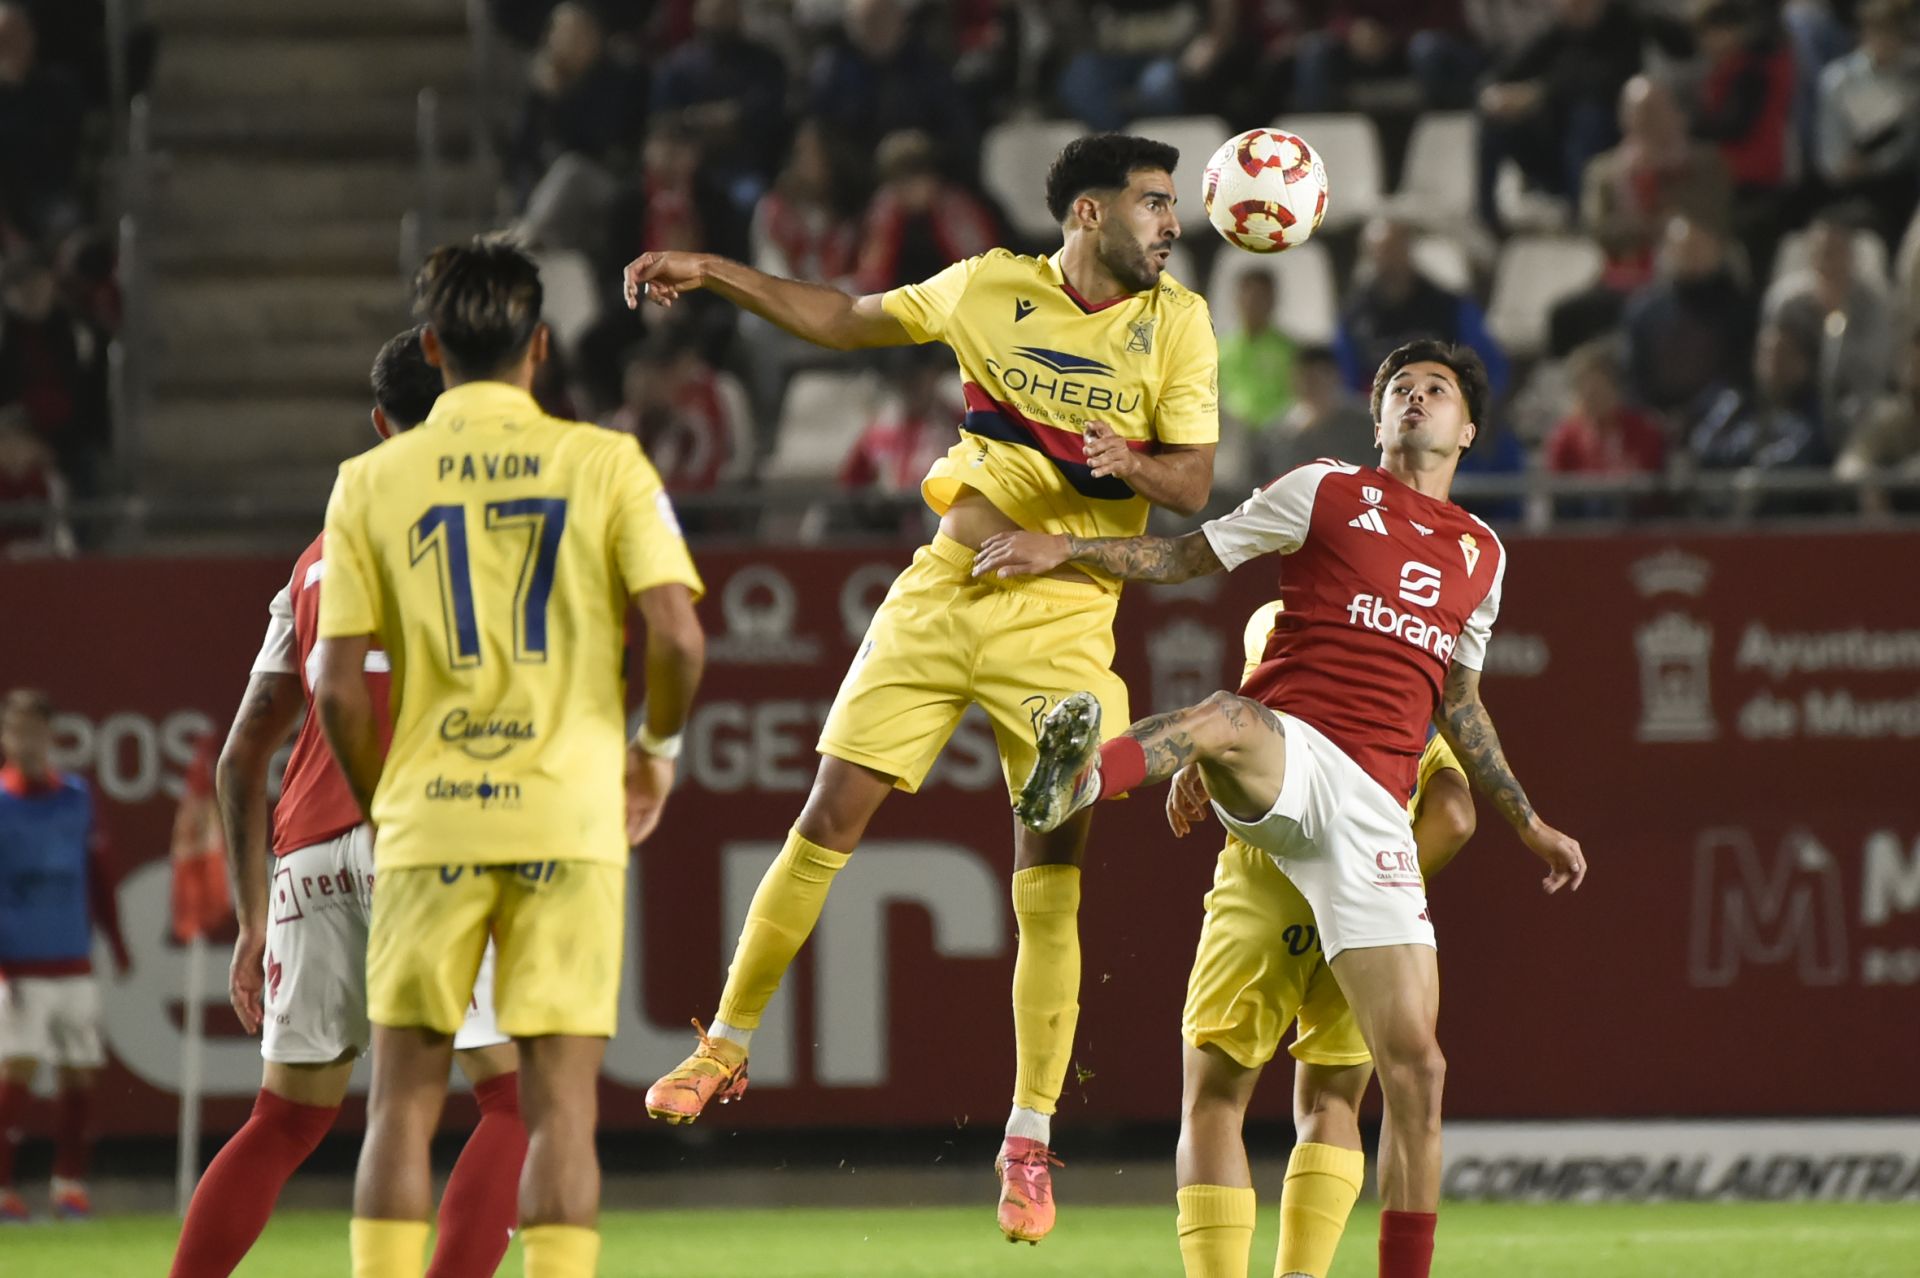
(442,533)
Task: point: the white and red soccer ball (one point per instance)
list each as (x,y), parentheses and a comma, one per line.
(1265,190)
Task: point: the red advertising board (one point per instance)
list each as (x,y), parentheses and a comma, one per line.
(1730,724)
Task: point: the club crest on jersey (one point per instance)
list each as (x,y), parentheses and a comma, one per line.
(1471,550)
(1141,343)
(1372,496)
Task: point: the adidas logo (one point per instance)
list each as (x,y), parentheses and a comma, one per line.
(1021,309)
(1370,520)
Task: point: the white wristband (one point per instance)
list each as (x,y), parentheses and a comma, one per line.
(659,747)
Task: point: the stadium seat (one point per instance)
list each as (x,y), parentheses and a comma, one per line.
(1444,261)
(1869,256)
(1535,272)
(1309,298)
(739,414)
(1196,137)
(572,300)
(1013,167)
(1436,179)
(1350,147)
(821,418)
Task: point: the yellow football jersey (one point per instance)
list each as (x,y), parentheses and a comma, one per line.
(493,551)
(1038,363)
(1438,755)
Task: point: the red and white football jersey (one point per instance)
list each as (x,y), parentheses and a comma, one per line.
(315,803)
(1384,588)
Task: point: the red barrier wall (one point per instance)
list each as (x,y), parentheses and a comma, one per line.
(1730,724)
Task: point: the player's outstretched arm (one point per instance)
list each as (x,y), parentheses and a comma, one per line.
(267,714)
(676,658)
(345,706)
(1463,720)
(819,313)
(1162,559)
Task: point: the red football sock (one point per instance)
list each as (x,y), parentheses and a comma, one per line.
(72,1141)
(481,1203)
(13,1112)
(1406,1243)
(1123,765)
(236,1196)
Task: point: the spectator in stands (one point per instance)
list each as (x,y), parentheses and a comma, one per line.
(1835,297)
(1393,303)
(1657,171)
(1745,106)
(880,77)
(918,222)
(580,101)
(1256,358)
(28,479)
(1887,438)
(1504,27)
(1551,107)
(54,366)
(1604,434)
(1370,40)
(1240,64)
(1776,424)
(730,92)
(913,427)
(1867,120)
(1689,332)
(1127,60)
(803,228)
(41,117)
(671,404)
(1326,419)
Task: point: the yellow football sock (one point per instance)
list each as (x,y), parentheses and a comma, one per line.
(1046,982)
(387,1248)
(785,907)
(1322,1183)
(560,1251)
(1216,1229)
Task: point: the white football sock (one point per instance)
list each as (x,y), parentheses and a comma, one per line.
(1030,1123)
(732,1033)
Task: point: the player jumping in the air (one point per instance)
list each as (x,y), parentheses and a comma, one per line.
(1090,396)
(299,963)
(1259,966)
(493,552)
(1391,592)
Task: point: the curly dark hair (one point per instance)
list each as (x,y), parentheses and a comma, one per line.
(1463,360)
(483,300)
(1101,162)
(404,384)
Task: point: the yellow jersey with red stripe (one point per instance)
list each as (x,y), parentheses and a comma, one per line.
(1038,363)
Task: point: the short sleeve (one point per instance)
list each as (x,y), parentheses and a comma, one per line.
(1471,649)
(647,543)
(1274,520)
(1188,411)
(347,600)
(279,651)
(924,308)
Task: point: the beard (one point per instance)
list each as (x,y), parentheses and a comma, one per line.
(1126,260)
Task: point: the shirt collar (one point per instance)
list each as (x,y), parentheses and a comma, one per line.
(477,399)
(21,786)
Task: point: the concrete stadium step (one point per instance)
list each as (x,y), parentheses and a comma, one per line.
(215,366)
(339,124)
(197,190)
(361,246)
(223,67)
(204,310)
(372,16)
(210,445)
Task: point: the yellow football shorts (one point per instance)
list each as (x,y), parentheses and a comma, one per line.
(942,640)
(558,926)
(1258,965)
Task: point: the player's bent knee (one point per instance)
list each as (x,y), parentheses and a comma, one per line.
(1413,1074)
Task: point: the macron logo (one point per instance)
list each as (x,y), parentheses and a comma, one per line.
(1021,309)
(1374,613)
(1370,520)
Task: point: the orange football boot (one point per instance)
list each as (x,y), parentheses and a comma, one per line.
(1026,1189)
(717,1071)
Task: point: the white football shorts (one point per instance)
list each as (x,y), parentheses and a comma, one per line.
(51,1019)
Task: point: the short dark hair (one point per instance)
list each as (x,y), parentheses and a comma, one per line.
(28,701)
(404,384)
(1462,360)
(1101,162)
(483,300)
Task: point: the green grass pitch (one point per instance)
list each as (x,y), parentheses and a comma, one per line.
(1651,1241)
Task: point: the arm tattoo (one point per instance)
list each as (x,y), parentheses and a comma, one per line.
(1161,559)
(1165,742)
(1469,731)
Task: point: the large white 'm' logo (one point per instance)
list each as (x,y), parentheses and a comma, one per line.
(1419,583)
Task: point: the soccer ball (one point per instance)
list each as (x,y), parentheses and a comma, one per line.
(1265,190)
